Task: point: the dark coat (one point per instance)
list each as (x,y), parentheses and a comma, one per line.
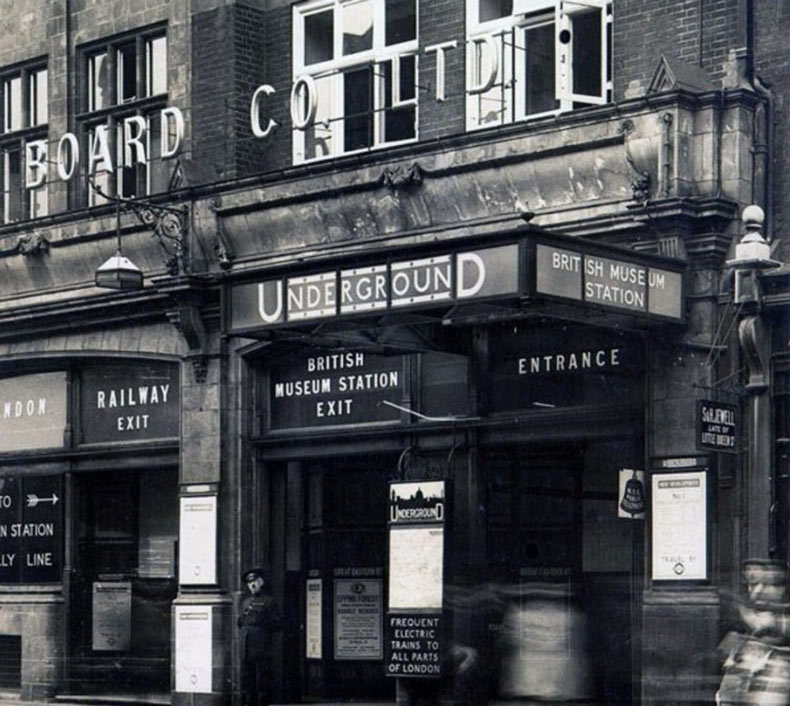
(259,619)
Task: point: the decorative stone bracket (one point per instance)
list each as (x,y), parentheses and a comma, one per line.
(189,295)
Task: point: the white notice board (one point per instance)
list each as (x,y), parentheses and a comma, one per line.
(193,649)
(416,567)
(197,556)
(679,526)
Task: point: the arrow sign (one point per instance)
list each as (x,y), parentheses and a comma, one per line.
(33,500)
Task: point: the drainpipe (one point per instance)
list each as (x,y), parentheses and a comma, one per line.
(762,149)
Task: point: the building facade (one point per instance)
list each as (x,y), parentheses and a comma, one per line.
(451,314)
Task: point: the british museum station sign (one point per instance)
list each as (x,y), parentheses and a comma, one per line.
(546,267)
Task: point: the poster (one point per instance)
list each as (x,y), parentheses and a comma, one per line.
(112,616)
(358,616)
(416,568)
(679,526)
(313,613)
(198,544)
(193,649)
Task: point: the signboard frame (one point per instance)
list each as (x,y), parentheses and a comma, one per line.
(334,272)
(401,364)
(416,506)
(720,430)
(193,648)
(584,249)
(682,475)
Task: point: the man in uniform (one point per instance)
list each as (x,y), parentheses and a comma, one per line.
(259,618)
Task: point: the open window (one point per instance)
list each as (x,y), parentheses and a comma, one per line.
(530,58)
(583,51)
(355,76)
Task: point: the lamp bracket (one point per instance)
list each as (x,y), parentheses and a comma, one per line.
(170,226)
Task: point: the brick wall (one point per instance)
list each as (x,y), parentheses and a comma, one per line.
(441,21)
(701,32)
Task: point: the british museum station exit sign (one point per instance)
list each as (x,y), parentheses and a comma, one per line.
(546,267)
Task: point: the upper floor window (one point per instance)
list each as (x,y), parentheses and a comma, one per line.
(527,58)
(355,74)
(24,122)
(125,88)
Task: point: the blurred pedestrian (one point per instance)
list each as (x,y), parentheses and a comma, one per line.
(757,665)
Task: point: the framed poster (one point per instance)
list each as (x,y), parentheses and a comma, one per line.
(358,619)
(679,504)
(193,649)
(112,616)
(197,559)
(313,619)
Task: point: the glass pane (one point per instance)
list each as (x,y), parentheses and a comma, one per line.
(156,57)
(318,135)
(494,9)
(12,184)
(125,175)
(400,17)
(586,38)
(158,172)
(38,201)
(357,27)
(493,105)
(12,90)
(38,97)
(358,109)
(100,179)
(399,123)
(539,70)
(127,73)
(98,84)
(318,36)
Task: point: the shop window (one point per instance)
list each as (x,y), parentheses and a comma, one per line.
(530,58)
(355,73)
(125,89)
(24,122)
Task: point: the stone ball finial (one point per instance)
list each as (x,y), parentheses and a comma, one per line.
(753,217)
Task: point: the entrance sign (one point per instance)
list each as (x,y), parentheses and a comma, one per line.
(197,559)
(31,529)
(112,616)
(445,277)
(129,402)
(611,282)
(313,620)
(717,426)
(193,649)
(32,411)
(358,619)
(679,526)
(317,389)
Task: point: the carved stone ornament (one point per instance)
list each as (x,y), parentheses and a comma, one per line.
(32,244)
(403,176)
(754,346)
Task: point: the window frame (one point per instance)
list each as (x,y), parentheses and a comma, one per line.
(510,31)
(332,119)
(17,201)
